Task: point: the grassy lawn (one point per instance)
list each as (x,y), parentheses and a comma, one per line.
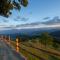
(34,54)
(53,58)
(28,56)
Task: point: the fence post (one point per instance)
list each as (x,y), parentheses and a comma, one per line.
(5,38)
(2,37)
(9,40)
(17,45)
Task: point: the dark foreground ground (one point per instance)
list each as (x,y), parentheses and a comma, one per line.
(7,53)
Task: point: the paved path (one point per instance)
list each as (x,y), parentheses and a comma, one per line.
(7,53)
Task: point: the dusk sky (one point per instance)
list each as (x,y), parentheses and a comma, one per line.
(36,11)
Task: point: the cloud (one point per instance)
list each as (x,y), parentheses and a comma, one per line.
(21,19)
(30,26)
(24,19)
(46,18)
(37,25)
(53,23)
(16,19)
(54,20)
(5,20)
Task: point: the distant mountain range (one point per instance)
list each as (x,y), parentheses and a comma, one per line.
(31,32)
(28,31)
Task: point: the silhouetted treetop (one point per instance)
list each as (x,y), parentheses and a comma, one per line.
(7,5)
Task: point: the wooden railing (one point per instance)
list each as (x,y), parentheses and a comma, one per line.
(8,40)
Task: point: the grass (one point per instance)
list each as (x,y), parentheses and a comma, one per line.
(28,56)
(53,58)
(33,54)
(36,52)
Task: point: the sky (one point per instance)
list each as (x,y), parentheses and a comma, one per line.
(36,11)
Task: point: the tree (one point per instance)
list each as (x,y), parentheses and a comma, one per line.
(46,39)
(7,5)
(55,45)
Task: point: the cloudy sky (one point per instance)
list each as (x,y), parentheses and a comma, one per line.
(36,11)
